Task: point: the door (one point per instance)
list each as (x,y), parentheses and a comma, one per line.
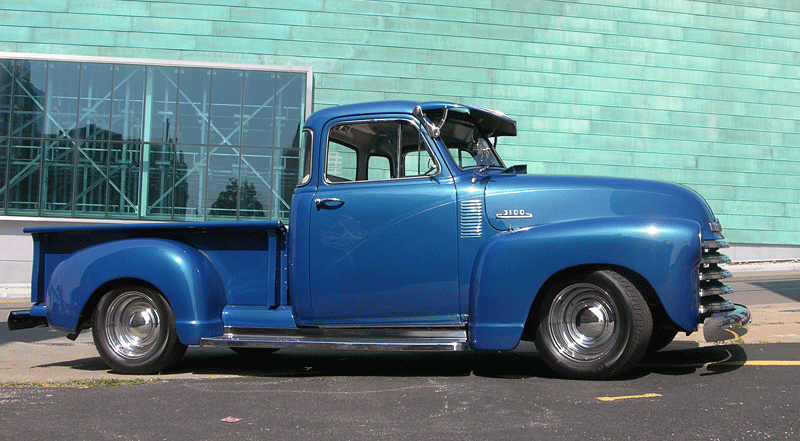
(383,230)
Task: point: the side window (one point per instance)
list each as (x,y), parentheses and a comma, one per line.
(306,148)
(341,163)
(418,163)
(379,168)
(377,150)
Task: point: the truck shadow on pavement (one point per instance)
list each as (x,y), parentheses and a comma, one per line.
(786,288)
(678,359)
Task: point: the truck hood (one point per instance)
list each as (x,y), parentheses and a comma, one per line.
(516,201)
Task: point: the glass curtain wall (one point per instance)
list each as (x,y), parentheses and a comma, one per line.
(126,141)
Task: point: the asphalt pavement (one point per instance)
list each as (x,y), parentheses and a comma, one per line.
(726,392)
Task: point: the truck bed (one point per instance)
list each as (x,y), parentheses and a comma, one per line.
(248,255)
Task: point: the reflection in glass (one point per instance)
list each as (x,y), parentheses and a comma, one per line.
(91,179)
(27,106)
(226,107)
(158,172)
(193,104)
(223,182)
(258,122)
(190,173)
(24,164)
(123,141)
(161,97)
(94,108)
(127,107)
(6,83)
(61,105)
(255,201)
(57,178)
(291,111)
(286,177)
(123,180)
(3,168)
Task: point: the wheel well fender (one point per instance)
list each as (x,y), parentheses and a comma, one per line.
(660,256)
(184,275)
(660,317)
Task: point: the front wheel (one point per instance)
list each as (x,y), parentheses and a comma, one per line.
(593,326)
(134,331)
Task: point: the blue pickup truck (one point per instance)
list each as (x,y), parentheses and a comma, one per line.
(407,232)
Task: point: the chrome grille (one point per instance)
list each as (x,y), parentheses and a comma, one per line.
(711,276)
(471,218)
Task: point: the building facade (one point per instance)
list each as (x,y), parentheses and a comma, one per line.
(137,110)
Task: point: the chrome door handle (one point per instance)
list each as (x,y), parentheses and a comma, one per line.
(328,203)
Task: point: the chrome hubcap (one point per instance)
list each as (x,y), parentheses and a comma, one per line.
(583,322)
(133,326)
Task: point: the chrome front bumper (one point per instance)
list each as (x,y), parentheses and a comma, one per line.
(726,325)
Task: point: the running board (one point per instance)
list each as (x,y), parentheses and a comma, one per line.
(371,339)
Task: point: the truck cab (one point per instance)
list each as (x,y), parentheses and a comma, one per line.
(407,232)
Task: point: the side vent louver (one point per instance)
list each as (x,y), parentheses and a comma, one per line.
(471,218)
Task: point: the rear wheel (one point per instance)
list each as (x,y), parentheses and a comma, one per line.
(593,326)
(134,331)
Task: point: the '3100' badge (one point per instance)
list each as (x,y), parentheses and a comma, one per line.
(514,214)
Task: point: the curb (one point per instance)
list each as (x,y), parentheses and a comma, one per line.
(762,267)
(15,291)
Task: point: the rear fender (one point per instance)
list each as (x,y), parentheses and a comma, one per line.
(186,277)
(512,267)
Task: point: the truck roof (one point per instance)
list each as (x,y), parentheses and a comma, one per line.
(496,123)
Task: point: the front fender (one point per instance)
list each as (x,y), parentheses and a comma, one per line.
(185,276)
(511,268)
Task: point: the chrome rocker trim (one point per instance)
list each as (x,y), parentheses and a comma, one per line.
(388,339)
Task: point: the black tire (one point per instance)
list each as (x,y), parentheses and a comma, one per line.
(660,339)
(134,331)
(593,326)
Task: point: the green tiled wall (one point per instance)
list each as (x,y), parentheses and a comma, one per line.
(705,93)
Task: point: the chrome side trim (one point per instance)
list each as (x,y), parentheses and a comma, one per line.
(384,339)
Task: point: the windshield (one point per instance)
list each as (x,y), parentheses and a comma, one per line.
(467,146)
